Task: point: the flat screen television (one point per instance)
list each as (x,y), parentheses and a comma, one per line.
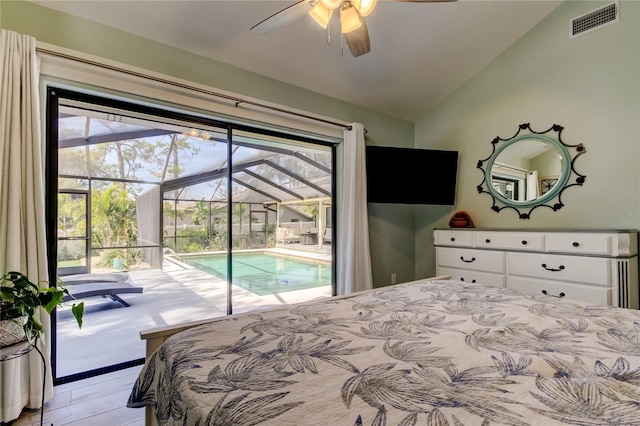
(411,176)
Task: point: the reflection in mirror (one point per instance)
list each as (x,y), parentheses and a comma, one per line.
(526,170)
(529,170)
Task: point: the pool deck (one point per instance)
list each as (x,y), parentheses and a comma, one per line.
(178,293)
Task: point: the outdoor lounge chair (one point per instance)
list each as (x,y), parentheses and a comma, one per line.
(284,235)
(105,285)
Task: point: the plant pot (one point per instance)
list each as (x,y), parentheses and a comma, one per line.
(12,331)
(118,264)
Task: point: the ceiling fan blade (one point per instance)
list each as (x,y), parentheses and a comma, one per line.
(358,40)
(283,17)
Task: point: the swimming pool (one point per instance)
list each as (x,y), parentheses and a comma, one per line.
(264,273)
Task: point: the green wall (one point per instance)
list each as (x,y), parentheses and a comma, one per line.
(589,84)
(49,26)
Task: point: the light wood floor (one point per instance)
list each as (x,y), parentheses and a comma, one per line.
(98,401)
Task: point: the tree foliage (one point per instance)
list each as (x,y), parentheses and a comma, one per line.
(72,218)
(113,214)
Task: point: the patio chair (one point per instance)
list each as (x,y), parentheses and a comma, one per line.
(82,286)
(326,237)
(284,235)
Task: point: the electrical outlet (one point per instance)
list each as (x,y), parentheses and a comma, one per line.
(393,278)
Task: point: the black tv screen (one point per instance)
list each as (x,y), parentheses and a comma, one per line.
(411,176)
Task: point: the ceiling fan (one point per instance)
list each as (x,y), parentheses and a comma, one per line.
(352,14)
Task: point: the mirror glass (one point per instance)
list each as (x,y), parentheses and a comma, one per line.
(526,170)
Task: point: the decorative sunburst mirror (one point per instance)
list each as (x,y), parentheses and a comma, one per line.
(530,170)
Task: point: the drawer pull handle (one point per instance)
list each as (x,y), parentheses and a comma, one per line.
(473,281)
(559,268)
(524,242)
(561,295)
(487,241)
(576,244)
(473,259)
(453,239)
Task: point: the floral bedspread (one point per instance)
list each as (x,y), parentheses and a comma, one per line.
(423,353)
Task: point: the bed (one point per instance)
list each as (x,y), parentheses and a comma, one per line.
(431,352)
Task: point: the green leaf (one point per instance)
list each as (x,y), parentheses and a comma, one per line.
(7,294)
(55,299)
(37,325)
(78,312)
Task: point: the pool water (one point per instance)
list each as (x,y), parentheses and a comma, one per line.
(263,273)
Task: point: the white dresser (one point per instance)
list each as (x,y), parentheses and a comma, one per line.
(593,266)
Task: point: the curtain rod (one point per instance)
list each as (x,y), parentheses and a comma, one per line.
(506,166)
(235,99)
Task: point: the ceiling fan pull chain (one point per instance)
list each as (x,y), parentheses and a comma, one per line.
(342,46)
(329,34)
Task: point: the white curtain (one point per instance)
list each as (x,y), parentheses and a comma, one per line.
(353,257)
(533,187)
(22,221)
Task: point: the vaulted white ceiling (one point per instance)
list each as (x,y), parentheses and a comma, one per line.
(420,52)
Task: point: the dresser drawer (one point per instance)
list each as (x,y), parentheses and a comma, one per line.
(579,269)
(453,238)
(468,276)
(579,244)
(509,240)
(476,260)
(585,293)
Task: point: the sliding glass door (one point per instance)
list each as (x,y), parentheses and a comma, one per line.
(157,217)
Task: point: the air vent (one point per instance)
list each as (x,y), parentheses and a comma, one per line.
(594,20)
(623,283)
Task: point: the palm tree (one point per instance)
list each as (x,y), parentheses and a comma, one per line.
(114,221)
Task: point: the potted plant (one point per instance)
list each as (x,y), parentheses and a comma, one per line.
(19,302)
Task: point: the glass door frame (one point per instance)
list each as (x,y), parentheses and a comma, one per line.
(87,235)
(53,97)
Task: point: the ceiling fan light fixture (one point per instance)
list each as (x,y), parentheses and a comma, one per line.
(364,7)
(321,14)
(349,18)
(331,4)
